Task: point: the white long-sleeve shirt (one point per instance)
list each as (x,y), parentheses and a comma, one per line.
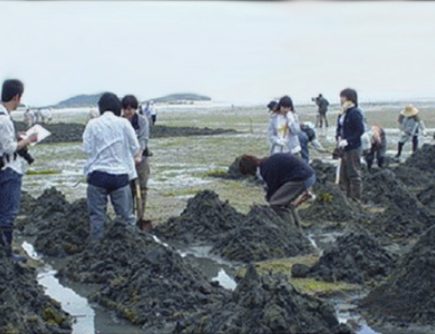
(8,142)
(111,144)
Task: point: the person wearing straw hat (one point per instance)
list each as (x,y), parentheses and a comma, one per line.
(410,126)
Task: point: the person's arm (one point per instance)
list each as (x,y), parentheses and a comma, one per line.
(144,133)
(356,119)
(133,143)
(293,123)
(88,142)
(317,145)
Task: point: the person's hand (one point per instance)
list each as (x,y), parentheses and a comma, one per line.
(343,143)
(33,138)
(137,160)
(21,134)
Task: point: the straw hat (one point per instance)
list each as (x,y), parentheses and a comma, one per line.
(409,111)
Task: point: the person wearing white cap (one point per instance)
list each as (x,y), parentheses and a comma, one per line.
(411,126)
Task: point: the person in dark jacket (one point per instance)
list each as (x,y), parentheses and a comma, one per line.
(286,176)
(307,136)
(323,104)
(350,128)
(378,147)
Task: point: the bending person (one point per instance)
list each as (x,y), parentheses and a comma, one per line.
(410,126)
(287,178)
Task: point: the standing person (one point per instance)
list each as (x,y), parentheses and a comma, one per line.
(11,163)
(410,126)
(29,118)
(113,150)
(141,127)
(283,129)
(153,112)
(287,178)
(350,128)
(308,136)
(323,104)
(378,148)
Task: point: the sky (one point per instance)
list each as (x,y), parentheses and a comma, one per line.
(235,52)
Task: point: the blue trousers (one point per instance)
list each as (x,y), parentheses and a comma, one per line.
(10,193)
(97,197)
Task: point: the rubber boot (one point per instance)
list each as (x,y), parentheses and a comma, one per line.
(399,150)
(6,242)
(414,144)
(285,212)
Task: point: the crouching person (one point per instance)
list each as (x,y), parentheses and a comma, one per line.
(288,179)
(378,148)
(113,149)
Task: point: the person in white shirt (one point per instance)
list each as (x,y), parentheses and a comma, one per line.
(30,118)
(153,112)
(11,163)
(113,149)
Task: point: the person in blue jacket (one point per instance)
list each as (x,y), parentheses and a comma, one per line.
(350,128)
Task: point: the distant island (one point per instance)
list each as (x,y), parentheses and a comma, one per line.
(83,101)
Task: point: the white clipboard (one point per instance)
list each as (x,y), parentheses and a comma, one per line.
(41,132)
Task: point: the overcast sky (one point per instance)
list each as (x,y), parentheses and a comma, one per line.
(239,52)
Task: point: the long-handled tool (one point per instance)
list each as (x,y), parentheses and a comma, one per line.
(141,223)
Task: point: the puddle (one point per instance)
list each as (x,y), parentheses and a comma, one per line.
(77,306)
(225,280)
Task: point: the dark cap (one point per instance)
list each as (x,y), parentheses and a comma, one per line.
(272,105)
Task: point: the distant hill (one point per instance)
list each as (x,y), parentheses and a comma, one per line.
(79,101)
(180,97)
(82,101)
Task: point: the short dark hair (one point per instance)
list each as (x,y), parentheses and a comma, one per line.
(287,102)
(12,88)
(248,165)
(272,105)
(109,102)
(351,95)
(130,101)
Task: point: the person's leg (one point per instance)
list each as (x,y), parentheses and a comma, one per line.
(321,119)
(344,179)
(10,193)
(326,121)
(414,144)
(380,154)
(369,158)
(282,200)
(122,201)
(143,173)
(354,174)
(97,203)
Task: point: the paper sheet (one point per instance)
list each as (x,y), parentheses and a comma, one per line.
(41,132)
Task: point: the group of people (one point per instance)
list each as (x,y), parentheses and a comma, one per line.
(117,167)
(287,174)
(38,116)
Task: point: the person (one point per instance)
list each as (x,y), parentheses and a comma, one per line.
(272,106)
(410,126)
(308,136)
(141,127)
(283,128)
(11,162)
(323,104)
(29,118)
(112,149)
(287,177)
(40,117)
(350,128)
(153,112)
(378,148)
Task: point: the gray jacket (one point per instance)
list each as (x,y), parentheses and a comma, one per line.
(284,141)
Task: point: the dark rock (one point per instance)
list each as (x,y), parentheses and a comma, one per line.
(355,257)
(300,270)
(265,305)
(24,307)
(262,235)
(408,297)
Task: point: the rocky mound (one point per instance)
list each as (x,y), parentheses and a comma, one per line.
(413,177)
(427,197)
(384,188)
(73,132)
(355,257)
(331,205)
(405,217)
(267,304)
(325,173)
(24,307)
(61,228)
(27,203)
(142,280)
(423,159)
(203,221)
(409,297)
(262,235)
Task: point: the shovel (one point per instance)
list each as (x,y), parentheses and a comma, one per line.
(142,224)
